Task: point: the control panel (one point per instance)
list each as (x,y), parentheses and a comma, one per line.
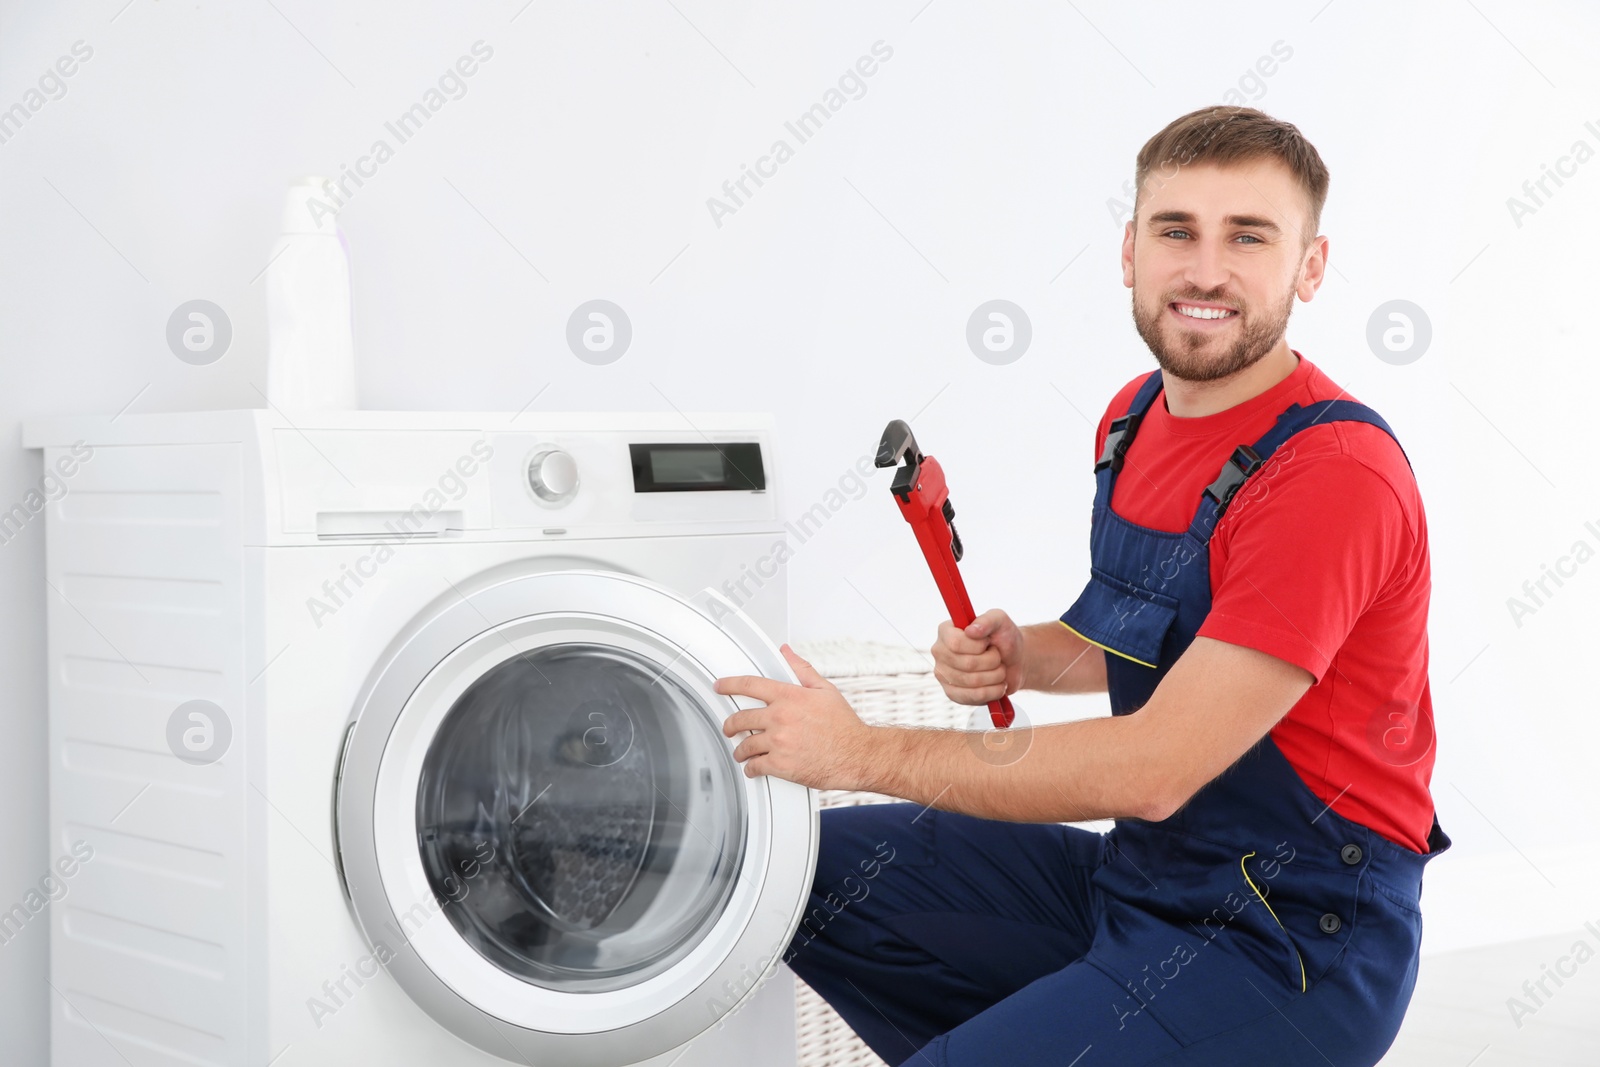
(582,483)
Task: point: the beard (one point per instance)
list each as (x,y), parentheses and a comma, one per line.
(1187,355)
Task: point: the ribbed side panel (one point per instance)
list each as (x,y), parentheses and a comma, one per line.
(145,598)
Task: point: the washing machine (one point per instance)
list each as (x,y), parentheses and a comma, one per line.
(387,737)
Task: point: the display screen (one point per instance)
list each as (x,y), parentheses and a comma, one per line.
(690,466)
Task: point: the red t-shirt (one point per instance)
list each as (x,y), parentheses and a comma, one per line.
(1321,560)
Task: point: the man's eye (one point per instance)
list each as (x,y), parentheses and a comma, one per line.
(1169,233)
(1251,237)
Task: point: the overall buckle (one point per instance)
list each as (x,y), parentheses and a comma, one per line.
(1118,438)
(1243,463)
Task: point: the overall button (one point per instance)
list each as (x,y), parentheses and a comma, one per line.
(1329,923)
(1351,854)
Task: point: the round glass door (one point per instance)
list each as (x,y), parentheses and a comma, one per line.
(577,810)
(540,819)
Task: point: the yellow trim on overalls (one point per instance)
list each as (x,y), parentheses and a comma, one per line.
(1108,648)
(1274,919)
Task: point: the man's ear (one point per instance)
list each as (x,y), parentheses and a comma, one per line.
(1127,255)
(1313,270)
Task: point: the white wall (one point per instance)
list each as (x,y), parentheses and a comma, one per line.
(977,165)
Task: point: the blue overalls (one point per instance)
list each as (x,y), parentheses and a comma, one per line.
(1254,926)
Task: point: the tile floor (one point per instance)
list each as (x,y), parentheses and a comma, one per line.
(1459,1017)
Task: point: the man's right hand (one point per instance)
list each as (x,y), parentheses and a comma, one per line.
(981,663)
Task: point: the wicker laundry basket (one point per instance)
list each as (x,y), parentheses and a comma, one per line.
(884,683)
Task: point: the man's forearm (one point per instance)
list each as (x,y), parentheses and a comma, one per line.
(1056,660)
(1067,772)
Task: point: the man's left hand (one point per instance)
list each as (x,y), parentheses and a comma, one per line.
(807,733)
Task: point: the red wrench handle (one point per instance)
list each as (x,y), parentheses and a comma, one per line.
(924,508)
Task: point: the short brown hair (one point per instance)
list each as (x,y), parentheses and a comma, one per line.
(1223,134)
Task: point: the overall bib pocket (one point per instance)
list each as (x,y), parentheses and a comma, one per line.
(1122,618)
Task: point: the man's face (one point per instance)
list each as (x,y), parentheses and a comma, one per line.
(1223,241)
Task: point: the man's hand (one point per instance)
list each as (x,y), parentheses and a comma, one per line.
(807,733)
(981,663)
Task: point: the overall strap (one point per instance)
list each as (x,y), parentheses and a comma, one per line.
(1120,436)
(1247,459)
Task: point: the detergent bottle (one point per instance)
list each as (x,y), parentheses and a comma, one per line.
(311,360)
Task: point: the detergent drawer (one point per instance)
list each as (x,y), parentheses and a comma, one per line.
(381,483)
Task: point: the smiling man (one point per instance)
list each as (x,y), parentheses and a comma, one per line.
(1256,612)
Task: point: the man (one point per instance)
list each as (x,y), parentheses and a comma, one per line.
(1257,616)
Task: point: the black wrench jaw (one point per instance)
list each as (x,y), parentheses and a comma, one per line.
(897,442)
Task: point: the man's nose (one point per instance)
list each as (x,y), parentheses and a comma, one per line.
(1207,268)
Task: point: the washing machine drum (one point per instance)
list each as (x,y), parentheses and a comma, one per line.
(542,829)
(565,779)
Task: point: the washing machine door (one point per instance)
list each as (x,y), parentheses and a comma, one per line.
(543,832)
